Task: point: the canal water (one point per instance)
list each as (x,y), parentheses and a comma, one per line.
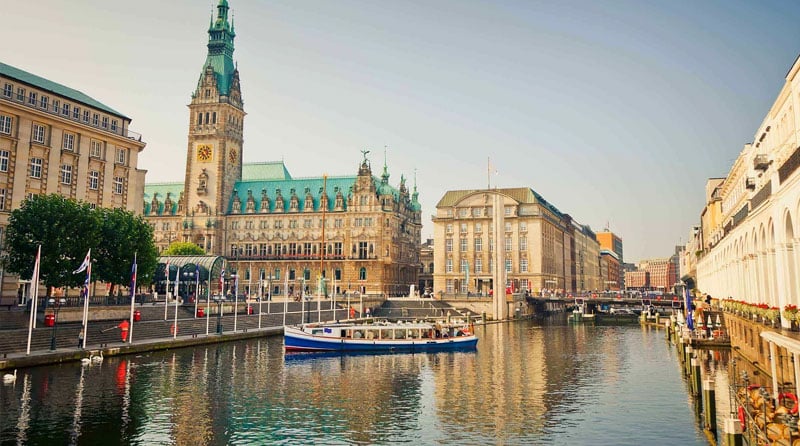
(528,383)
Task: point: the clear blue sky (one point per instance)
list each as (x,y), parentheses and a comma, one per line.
(615,111)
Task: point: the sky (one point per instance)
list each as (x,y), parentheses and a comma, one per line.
(616,112)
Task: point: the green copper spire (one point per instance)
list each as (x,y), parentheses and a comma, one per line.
(415,206)
(220,49)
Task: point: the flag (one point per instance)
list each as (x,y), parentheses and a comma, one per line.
(133,278)
(689,321)
(86,263)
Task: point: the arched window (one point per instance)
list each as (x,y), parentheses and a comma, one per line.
(362,273)
(214,117)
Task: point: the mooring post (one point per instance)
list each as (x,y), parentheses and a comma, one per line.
(733,432)
(697,381)
(710,405)
(687,361)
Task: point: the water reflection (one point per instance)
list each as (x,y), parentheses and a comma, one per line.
(527,383)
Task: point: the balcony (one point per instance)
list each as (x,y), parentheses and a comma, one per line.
(750,183)
(761,162)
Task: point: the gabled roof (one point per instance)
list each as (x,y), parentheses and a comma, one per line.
(61,90)
(519,194)
(269,170)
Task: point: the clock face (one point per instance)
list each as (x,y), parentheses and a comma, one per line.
(232,155)
(204,152)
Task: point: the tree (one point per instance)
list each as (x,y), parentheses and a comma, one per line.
(123,235)
(183,249)
(64,228)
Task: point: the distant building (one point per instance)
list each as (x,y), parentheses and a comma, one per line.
(425,276)
(637,280)
(611,270)
(612,242)
(57,140)
(541,246)
(356,231)
(661,273)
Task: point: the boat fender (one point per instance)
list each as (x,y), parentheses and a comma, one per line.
(742,417)
(792,397)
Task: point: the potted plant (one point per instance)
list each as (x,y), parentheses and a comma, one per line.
(790,314)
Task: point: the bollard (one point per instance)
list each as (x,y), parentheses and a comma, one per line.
(687,360)
(710,405)
(696,378)
(733,432)
(483,317)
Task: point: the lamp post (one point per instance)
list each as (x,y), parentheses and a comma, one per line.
(219,300)
(56,304)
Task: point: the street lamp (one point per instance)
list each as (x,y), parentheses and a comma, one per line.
(56,304)
(219,300)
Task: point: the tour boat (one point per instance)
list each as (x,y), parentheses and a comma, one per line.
(379,336)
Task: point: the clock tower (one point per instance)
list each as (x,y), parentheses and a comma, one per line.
(214,152)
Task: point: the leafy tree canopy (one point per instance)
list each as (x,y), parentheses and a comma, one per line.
(183,249)
(66,230)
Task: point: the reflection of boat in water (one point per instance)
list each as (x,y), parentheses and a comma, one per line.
(379,337)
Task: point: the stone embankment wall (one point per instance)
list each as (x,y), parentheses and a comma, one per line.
(746,339)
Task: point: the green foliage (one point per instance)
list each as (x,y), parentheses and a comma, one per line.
(66,230)
(123,235)
(183,249)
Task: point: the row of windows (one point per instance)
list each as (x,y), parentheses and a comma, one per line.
(464,288)
(40,132)
(478,244)
(65,109)
(523,227)
(307,223)
(269,249)
(65,173)
(478,267)
(479,211)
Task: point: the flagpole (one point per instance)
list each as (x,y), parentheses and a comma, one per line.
(177,297)
(260,299)
(196,288)
(235,298)
(35,294)
(86,299)
(133,298)
(208,298)
(166,294)
(285,295)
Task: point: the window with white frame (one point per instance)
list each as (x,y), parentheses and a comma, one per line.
(463,227)
(491,244)
(478,266)
(65,109)
(43,102)
(56,105)
(449,228)
(478,227)
(4,154)
(69,141)
(508,243)
(96,149)
(523,226)
(86,116)
(113,125)
(36,168)
(523,243)
(32,98)
(463,244)
(66,174)
(105,122)
(464,266)
(29,196)
(491,264)
(464,286)
(449,286)
(7,90)
(508,226)
(118,182)
(508,265)
(5,124)
(38,133)
(94,180)
(121,156)
(478,244)
(523,266)
(448,245)
(508,210)
(448,266)
(95,119)
(76,113)
(20,94)
(476,212)
(2,198)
